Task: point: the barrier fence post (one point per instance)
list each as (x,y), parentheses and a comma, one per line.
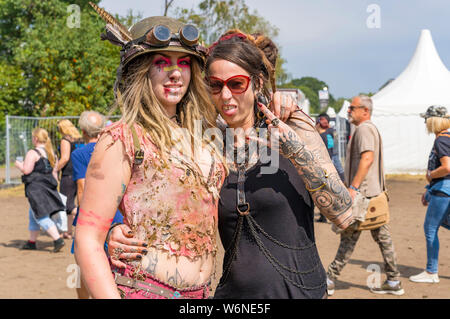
(7,173)
(338,129)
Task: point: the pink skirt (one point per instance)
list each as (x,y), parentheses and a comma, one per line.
(139,290)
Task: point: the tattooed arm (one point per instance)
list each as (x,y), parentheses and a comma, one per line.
(108,170)
(302,144)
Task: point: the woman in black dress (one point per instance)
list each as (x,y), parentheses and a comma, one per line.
(266,220)
(41,189)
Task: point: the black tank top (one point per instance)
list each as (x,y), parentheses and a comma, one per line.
(281,213)
(43,164)
(67,169)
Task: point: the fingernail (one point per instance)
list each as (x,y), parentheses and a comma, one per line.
(144,244)
(130,232)
(144,251)
(139,256)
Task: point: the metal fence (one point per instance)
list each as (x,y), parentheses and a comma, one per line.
(342,127)
(19,129)
(18,139)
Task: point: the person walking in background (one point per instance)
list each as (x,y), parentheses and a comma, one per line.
(40,179)
(364,173)
(437,195)
(71,139)
(328,136)
(91,123)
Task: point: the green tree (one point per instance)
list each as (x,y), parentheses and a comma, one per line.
(131,18)
(214,17)
(314,85)
(67,69)
(12,90)
(311,82)
(17,17)
(337,105)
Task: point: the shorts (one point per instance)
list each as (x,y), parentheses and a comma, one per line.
(69,188)
(36,224)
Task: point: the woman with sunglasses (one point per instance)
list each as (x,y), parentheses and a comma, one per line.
(142,165)
(266,220)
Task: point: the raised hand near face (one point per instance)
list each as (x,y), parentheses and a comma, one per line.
(282,105)
(289,141)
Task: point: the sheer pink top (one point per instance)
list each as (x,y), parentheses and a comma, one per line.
(165,204)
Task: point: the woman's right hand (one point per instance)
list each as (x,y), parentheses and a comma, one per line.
(424,201)
(122,245)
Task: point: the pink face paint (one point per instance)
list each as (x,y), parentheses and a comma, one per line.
(161,63)
(184,62)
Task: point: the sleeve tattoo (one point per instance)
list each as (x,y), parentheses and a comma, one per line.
(307,152)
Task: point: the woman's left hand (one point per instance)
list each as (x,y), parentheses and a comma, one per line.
(289,141)
(282,106)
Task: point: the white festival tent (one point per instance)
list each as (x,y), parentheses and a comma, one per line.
(344,109)
(424,82)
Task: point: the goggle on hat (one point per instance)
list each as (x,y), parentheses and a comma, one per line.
(151,34)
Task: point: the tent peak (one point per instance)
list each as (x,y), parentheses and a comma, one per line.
(425,81)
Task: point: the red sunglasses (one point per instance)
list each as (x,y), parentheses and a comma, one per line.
(237,84)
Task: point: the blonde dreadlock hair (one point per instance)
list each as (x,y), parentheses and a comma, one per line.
(139,104)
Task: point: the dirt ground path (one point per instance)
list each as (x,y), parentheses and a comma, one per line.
(42,274)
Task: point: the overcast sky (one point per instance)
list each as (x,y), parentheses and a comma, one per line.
(331,40)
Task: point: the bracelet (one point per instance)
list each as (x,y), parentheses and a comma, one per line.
(109,234)
(354,188)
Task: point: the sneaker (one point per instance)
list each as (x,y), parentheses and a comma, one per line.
(425,277)
(59,243)
(330,287)
(29,246)
(388,289)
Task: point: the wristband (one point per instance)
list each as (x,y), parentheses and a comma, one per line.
(354,188)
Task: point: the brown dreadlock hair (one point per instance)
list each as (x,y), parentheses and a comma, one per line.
(247,51)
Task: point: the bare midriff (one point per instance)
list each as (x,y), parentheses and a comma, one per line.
(180,272)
